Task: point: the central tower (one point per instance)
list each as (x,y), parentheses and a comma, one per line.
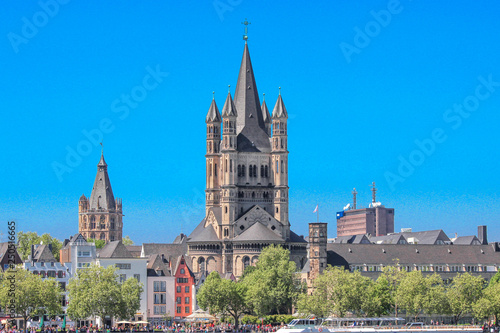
(246,180)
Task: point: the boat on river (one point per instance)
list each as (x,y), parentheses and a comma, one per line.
(368,325)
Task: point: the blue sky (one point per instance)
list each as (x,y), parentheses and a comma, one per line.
(403,93)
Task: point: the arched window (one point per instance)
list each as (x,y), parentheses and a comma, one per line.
(112,238)
(266,172)
(255,171)
(239,170)
(215,169)
(262,171)
(103,236)
(201,264)
(277,167)
(281,166)
(231,166)
(243,167)
(281,143)
(246,262)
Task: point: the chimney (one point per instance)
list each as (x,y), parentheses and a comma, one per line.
(482,234)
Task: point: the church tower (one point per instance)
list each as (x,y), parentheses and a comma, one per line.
(247,182)
(100,217)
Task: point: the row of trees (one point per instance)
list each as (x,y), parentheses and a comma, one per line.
(338,291)
(270,287)
(273,287)
(95,292)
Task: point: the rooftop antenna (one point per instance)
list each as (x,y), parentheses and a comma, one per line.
(354,198)
(245,36)
(374,191)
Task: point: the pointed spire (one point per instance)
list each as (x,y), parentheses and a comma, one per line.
(279,110)
(229,109)
(213,115)
(102,195)
(265,111)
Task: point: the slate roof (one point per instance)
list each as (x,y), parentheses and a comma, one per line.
(419,254)
(387,239)
(158,266)
(42,253)
(294,238)
(229,109)
(135,250)
(4,247)
(352,239)
(203,234)
(213,114)
(102,195)
(251,130)
(426,237)
(258,232)
(265,112)
(466,240)
(114,249)
(279,110)
(170,251)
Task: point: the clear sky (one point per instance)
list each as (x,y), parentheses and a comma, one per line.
(403,93)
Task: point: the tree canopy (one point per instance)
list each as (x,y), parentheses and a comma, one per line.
(29,293)
(96,292)
(26,239)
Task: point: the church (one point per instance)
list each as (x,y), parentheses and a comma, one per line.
(246,182)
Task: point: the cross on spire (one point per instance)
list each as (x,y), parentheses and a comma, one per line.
(245,36)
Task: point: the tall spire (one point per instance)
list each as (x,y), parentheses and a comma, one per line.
(250,124)
(279,110)
(229,109)
(102,195)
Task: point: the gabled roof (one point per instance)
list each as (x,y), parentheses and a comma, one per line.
(4,247)
(279,110)
(186,262)
(206,234)
(213,114)
(170,251)
(388,239)
(466,240)
(229,109)
(259,233)
(426,237)
(135,250)
(157,266)
(114,249)
(102,195)
(42,253)
(352,239)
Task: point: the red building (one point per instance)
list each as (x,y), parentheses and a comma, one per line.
(184,289)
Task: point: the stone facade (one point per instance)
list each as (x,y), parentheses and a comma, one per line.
(100,216)
(246,182)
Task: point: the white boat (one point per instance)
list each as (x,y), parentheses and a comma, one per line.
(378,324)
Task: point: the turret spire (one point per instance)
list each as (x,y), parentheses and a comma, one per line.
(213,114)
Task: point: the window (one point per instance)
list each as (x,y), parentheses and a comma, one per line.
(51,274)
(160,298)
(183,271)
(156,286)
(123,277)
(62,285)
(186,300)
(179,289)
(83,265)
(277,167)
(163,286)
(262,171)
(281,166)
(215,169)
(239,170)
(186,289)
(243,171)
(137,277)
(246,262)
(60,274)
(187,309)
(266,171)
(123,266)
(182,280)
(178,310)
(178,300)
(84,253)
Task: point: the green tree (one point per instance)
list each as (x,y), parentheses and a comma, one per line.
(30,294)
(26,239)
(96,292)
(489,304)
(274,286)
(127,241)
(419,294)
(495,279)
(464,291)
(336,291)
(376,299)
(391,277)
(222,296)
(99,243)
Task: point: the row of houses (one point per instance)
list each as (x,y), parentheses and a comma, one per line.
(169,284)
